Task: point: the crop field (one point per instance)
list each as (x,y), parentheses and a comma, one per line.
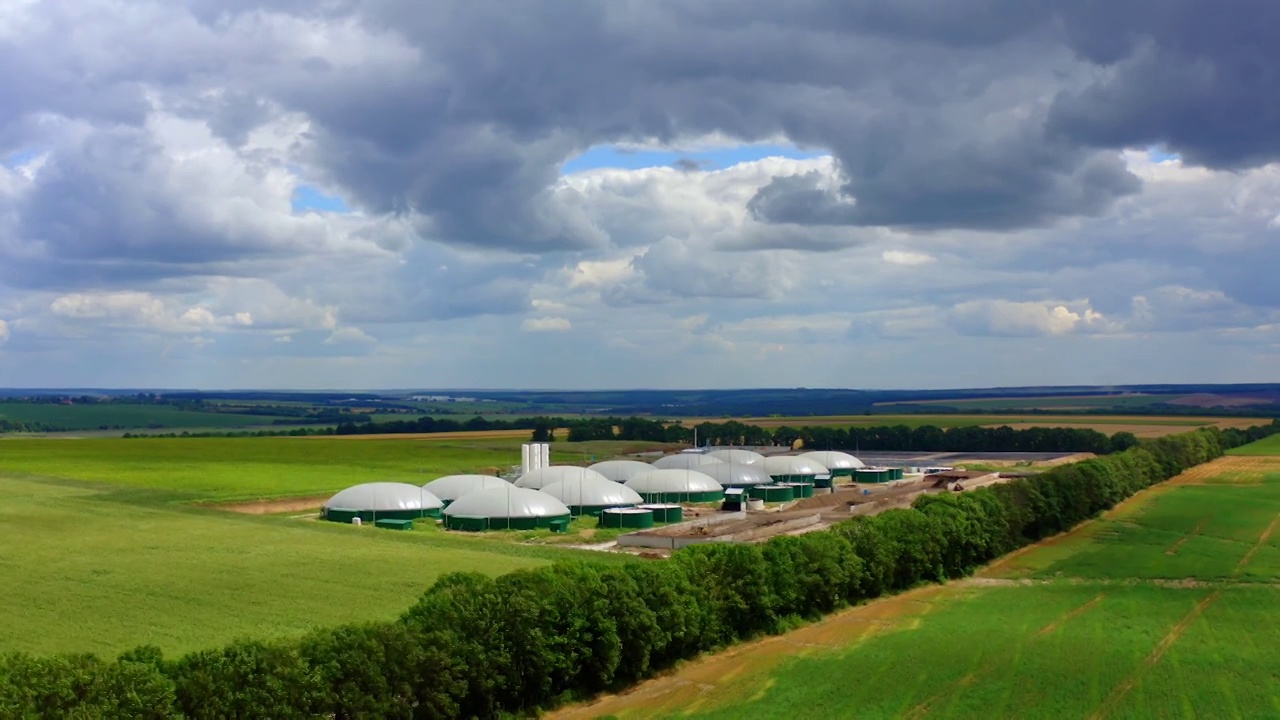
(1141,425)
(110,543)
(1055,402)
(1164,607)
(94,417)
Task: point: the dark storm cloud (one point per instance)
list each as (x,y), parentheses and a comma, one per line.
(920,102)
(457,114)
(1201,76)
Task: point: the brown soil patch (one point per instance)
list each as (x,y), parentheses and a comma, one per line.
(1118,694)
(713,679)
(271,507)
(1173,549)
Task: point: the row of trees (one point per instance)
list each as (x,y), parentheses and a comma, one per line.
(884,438)
(475,646)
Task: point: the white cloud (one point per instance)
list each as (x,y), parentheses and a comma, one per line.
(546,324)
(1025,319)
(347,336)
(4,331)
(906,257)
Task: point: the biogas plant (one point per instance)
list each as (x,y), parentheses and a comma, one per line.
(660,501)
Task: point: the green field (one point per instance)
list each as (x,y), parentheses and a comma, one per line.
(1268,446)
(109,543)
(126,417)
(1163,608)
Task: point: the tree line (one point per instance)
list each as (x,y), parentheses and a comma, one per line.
(475,646)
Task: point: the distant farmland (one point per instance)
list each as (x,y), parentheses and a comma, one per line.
(1162,608)
(124,416)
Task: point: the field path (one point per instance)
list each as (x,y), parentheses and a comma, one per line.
(1262,541)
(1118,694)
(922,709)
(1173,549)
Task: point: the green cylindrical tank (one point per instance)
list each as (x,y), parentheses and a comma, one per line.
(637,518)
(896,473)
(773,493)
(665,513)
(800,489)
(469,523)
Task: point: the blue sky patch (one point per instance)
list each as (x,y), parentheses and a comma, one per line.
(1160,153)
(18,158)
(308,197)
(612,156)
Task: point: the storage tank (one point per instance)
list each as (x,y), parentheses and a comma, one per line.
(511,508)
(793,468)
(382,500)
(737,456)
(660,486)
(589,496)
(731,475)
(684,461)
(632,518)
(541,477)
(452,487)
(773,493)
(620,471)
(840,464)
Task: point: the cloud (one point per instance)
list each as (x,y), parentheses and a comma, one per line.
(1003,318)
(906,257)
(546,324)
(958,174)
(4,331)
(348,335)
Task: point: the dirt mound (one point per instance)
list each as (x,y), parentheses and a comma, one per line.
(271,507)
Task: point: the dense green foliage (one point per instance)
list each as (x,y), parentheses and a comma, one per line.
(476,646)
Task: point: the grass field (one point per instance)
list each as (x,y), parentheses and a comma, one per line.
(94,417)
(1162,608)
(1268,446)
(110,544)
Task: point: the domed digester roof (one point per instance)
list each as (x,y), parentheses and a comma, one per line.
(592,495)
(390,500)
(737,456)
(542,477)
(732,475)
(504,508)
(620,471)
(793,468)
(684,461)
(673,485)
(452,487)
(839,463)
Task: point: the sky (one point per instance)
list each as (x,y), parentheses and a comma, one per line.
(638,193)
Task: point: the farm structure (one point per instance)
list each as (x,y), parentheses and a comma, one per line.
(512,508)
(371,502)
